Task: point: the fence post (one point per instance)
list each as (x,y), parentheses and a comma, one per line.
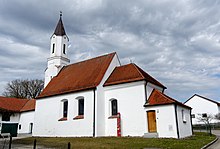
(10,141)
(35,142)
(69,145)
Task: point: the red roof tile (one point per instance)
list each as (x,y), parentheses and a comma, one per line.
(79,76)
(158,98)
(12,104)
(29,106)
(130,73)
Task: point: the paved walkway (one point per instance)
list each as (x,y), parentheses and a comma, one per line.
(4,143)
(216,145)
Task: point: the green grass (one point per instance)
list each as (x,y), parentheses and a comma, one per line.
(195,142)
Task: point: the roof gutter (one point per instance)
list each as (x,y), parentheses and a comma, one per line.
(191,120)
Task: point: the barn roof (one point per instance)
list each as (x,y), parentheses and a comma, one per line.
(16,105)
(130,73)
(78,76)
(203,98)
(158,98)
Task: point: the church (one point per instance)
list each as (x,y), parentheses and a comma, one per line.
(99,97)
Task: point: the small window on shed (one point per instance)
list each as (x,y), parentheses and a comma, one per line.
(6,117)
(204,114)
(19,126)
(183,116)
(193,116)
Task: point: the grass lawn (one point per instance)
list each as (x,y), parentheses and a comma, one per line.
(195,142)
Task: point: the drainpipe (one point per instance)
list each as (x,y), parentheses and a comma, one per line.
(94,114)
(178,135)
(145,91)
(191,120)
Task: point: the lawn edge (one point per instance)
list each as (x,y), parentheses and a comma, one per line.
(210,143)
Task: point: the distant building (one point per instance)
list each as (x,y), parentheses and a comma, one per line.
(202,106)
(101,97)
(16,115)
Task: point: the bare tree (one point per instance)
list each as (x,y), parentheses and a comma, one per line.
(206,119)
(24,88)
(217,116)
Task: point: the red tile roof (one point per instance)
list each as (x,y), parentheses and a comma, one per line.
(130,73)
(79,76)
(15,104)
(29,106)
(158,98)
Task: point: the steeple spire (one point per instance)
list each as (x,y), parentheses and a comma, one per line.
(60,31)
(58,52)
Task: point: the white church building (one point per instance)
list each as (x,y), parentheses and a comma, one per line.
(100,97)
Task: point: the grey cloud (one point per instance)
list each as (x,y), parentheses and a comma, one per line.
(177,42)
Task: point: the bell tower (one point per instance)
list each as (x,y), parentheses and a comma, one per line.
(58,52)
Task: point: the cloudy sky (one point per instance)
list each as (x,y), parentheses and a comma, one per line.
(177,42)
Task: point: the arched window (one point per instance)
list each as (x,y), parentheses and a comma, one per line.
(114,107)
(65,108)
(81,106)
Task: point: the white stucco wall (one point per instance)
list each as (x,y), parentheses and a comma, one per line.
(26,118)
(166,120)
(199,106)
(100,110)
(184,122)
(14,118)
(130,98)
(49,110)
(150,87)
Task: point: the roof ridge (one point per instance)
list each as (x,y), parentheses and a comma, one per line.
(218,103)
(172,101)
(24,105)
(113,53)
(148,75)
(166,96)
(136,67)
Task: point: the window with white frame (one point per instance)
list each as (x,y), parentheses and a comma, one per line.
(80,108)
(183,116)
(114,107)
(64,110)
(204,115)
(6,116)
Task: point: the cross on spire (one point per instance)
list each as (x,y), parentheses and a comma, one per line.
(61,14)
